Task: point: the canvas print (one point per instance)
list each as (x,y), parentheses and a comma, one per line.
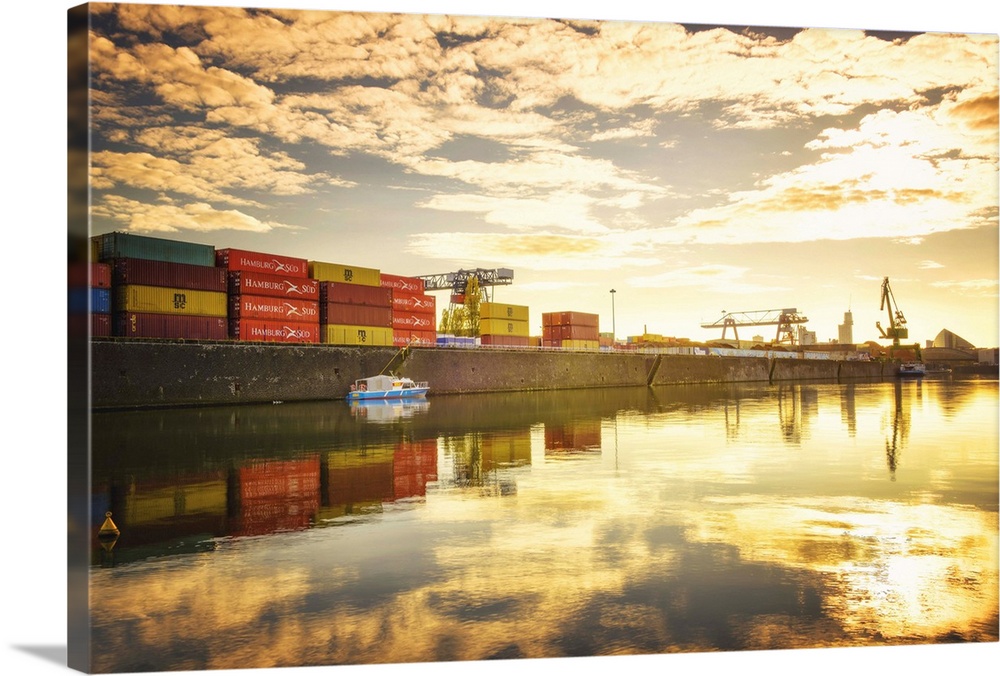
(412,338)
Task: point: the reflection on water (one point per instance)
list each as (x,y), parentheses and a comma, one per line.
(547,524)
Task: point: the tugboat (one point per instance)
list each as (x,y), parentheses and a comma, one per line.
(910,369)
(387,388)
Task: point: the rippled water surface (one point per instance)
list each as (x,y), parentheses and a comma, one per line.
(596,522)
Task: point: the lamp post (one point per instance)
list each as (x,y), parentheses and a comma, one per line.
(613,331)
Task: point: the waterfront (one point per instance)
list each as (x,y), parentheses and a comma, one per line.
(585,522)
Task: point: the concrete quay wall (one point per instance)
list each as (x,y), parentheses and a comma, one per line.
(149,373)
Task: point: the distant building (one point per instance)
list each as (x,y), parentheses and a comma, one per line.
(948,339)
(845,331)
(806,337)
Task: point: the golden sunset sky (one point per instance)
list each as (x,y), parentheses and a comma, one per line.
(695,168)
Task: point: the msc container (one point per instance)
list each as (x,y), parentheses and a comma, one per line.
(355,294)
(255,261)
(127,245)
(167,300)
(148,272)
(277,286)
(346,274)
(358,315)
(503,327)
(503,311)
(400,284)
(414,321)
(337,334)
(403,301)
(265,307)
(273,331)
(83,299)
(152,325)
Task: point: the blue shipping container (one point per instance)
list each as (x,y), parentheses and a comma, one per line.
(100,300)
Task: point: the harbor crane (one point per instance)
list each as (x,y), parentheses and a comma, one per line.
(783,318)
(458,281)
(897,322)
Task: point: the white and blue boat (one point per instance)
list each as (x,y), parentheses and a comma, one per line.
(389,387)
(911,369)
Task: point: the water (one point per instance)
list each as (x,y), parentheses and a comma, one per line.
(600,522)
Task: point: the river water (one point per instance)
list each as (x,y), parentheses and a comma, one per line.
(578,523)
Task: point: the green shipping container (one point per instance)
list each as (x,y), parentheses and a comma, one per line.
(127,245)
(168,300)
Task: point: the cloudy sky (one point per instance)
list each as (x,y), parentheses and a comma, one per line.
(696,168)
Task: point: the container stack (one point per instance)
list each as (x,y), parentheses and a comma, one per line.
(276,495)
(414,465)
(354,309)
(271,298)
(90,299)
(164,288)
(571,330)
(414,312)
(503,325)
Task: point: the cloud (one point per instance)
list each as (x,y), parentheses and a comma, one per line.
(143,217)
(930,265)
(988,288)
(728,279)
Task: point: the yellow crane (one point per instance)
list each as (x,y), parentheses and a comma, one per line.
(897,322)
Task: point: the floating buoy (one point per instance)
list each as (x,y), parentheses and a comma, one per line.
(108,529)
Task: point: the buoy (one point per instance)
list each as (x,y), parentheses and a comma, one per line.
(108,528)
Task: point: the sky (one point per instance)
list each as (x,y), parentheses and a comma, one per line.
(695,168)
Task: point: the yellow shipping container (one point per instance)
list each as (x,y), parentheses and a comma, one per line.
(503,311)
(168,300)
(503,327)
(175,501)
(345,274)
(342,334)
(576,344)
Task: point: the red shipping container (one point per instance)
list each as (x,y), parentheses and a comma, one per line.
(413,321)
(238,259)
(355,294)
(404,284)
(412,302)
(280,478)
(153,325)
(94,275)
(401,337)
(278,286)
(100,325)
(149,272)
(355,315)
(364,483)
(267,307)
(273,331)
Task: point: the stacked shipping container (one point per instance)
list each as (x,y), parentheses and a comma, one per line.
(573,330)
(414,313)
(354,308)
(90,299)
(163,288)
(271,298)
(505,325)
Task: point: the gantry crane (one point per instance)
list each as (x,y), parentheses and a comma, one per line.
(783,318)
(897,322)
(457,282)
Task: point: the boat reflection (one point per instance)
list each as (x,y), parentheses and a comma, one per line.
(383,410)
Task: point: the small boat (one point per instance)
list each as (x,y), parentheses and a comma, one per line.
(386,387)
(911,369)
